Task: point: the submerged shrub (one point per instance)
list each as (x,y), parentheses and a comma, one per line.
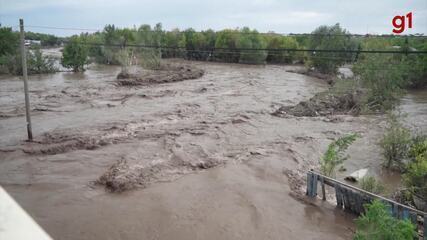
(36,63)
(384,85)
(335,154)
(418,146)
(395,143)
(415,177)
(378,224)
(75,54)
(370,184)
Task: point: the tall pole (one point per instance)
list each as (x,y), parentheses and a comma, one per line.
(25,76)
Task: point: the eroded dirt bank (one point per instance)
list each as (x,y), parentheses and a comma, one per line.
(206,157)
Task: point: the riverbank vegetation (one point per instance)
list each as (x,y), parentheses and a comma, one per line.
(406,153)
(371,184)
(10,56)
(377,223)
(335,154)
(75,55)
(382,76)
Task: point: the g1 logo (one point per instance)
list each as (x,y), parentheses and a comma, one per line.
(399,23)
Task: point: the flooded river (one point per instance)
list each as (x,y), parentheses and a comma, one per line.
(216,164)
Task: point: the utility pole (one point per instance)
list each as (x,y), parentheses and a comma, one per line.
(25,76)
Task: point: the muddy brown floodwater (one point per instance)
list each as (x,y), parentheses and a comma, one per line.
(206,157)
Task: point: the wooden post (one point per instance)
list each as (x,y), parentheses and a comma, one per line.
(25,77)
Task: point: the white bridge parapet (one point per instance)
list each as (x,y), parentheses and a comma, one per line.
(15,223)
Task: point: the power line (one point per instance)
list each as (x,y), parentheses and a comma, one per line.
(238,32)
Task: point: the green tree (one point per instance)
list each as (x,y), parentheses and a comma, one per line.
(75,54)
(9,42)
(383,76)
(225,46)
(378,224)
(335,154)
(281,42)
(111,38)
(330,38)
(95,49)
(251,39)
(415,67)
(175,42)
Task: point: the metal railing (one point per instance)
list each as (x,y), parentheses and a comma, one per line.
(353,199)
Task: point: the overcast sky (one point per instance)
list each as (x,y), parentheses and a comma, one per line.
(283,16)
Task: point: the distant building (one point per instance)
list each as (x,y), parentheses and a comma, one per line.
(32,42)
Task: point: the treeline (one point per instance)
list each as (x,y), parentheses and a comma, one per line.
(122,46)
(226,45)
(223,46)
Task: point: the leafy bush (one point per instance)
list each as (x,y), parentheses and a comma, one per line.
(386,75)
(9,43)
(418,146)
(334,155)
(384,83)
(75,54)
(415,177)
(370,184)
(378,224)
(395,143)
(36,63)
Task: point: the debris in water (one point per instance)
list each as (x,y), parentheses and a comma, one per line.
(323,104)
(357,175)
(119,177)
(166,74)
